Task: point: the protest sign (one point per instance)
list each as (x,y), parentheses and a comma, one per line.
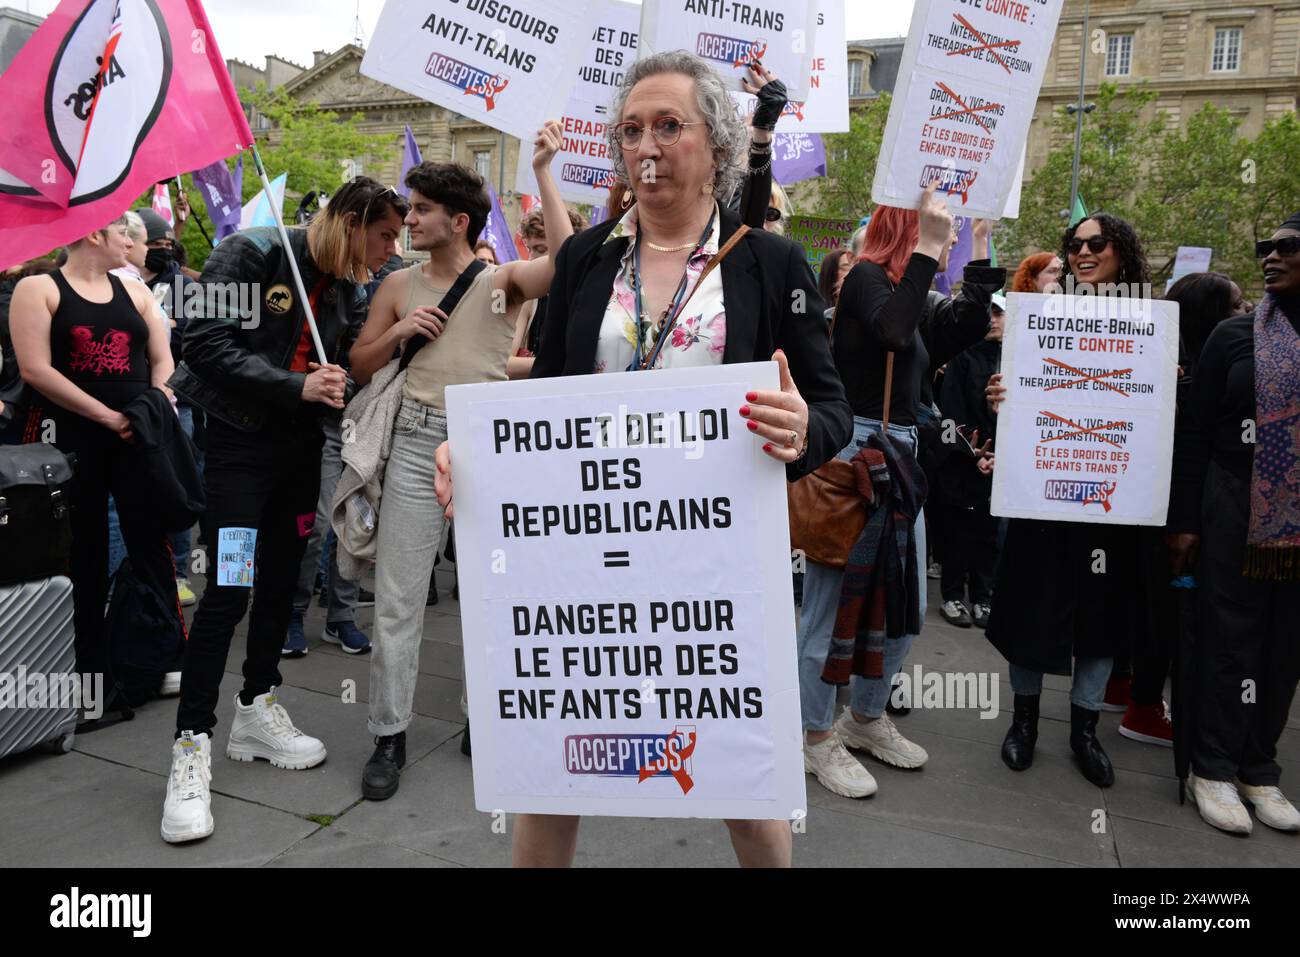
(825,107)
(797,156)
(1086,432)
(1190,259)
(819,236)
(730,35)
(966,91)
(624,570)
(582,168)
(508,66)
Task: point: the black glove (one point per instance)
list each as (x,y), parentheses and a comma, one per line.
(772,99)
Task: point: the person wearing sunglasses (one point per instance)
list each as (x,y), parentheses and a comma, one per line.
(1055,608)
(676,138)
(1235,521)
(257,376)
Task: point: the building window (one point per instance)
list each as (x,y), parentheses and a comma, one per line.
(1227,50)
(855,77)
(483,163)
(1119,54)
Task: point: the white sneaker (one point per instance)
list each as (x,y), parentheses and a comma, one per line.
(171,685)
(187,812)
(263,730)
(837,770)
(1271,806)
(1220,805)
(882,739)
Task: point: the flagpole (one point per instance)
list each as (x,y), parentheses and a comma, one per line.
(288,253)
(180,193)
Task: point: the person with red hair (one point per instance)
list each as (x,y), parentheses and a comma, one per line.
(885,306)
(1037,273)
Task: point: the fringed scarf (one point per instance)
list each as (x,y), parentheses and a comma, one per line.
(1273,538)
(880,599)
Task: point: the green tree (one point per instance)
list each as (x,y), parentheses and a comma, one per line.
(1115,141)
(1270,178)
(311,145)
(851,157)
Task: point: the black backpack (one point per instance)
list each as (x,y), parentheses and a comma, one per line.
(35,512)
(145,636)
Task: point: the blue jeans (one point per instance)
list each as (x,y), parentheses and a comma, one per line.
(322,547)
(1087,690)
(821,598)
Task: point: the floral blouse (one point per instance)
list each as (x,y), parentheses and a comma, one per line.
(700,335)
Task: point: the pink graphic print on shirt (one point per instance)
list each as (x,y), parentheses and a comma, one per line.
(112,354)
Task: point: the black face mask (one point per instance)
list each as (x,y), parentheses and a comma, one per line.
(158,260)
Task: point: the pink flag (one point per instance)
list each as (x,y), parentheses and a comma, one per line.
(105,99)
(162,203)
(526,203)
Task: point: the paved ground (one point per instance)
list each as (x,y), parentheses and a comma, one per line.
(101,804)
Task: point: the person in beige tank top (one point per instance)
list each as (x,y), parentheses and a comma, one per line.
(449,207)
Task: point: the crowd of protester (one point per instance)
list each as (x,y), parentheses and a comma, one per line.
(878,363)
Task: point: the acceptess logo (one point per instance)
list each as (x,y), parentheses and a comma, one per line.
(76,910)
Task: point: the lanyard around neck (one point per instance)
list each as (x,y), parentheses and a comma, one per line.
(677,302)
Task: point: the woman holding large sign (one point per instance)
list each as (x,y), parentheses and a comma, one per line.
(641,292)
(1073,591)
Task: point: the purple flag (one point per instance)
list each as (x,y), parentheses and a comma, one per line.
(410,157)
(797,156)
(958,257)
(497,232)
(599,213)
(221,195)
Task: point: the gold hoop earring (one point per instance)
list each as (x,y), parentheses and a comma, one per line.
(627,199)
(707,189)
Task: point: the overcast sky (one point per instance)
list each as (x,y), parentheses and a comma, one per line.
(250,29)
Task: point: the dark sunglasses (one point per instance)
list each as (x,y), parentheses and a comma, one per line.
(1095,245)
(1286,246)
(773,215)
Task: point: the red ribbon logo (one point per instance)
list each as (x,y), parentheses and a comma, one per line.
(673,749)
(755,52)
(489,89)
(1102,496)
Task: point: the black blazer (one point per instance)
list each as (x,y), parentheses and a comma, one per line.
(771,301)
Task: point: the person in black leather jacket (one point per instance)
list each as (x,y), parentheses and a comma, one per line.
(251,364)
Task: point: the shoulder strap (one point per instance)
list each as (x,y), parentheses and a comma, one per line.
(448,306)
(720,255)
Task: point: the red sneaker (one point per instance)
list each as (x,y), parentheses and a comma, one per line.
(1148,723)
(1117,693)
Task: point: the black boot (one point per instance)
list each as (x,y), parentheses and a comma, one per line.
(382,771)
(464,741)
(1087,749)
(1018,745)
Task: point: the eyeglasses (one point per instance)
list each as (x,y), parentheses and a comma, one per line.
(773,215)
(1095,245)
(1286,246)
(667,131)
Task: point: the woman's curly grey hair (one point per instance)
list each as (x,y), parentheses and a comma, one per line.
(728,135)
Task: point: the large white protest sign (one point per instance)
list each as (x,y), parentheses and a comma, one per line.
(582,168)
(508,65)
(624,570)
(1087,429)
(825,108)
(1190,259)
(731,34)
(965,96)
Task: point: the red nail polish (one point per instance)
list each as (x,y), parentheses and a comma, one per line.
(744,410)
(751,396)
(767,447)
(753,426)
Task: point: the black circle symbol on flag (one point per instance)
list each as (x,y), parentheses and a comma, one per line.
(106,90)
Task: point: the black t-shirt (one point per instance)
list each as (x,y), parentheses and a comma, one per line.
(874,317)
(103,348)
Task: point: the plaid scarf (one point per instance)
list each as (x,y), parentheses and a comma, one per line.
(1273,539)
(880,599)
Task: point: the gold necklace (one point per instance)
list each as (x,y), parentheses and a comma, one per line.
(670,249)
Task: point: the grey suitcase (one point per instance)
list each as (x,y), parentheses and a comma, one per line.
(37,663)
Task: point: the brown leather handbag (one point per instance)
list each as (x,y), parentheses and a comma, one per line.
(827,512)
